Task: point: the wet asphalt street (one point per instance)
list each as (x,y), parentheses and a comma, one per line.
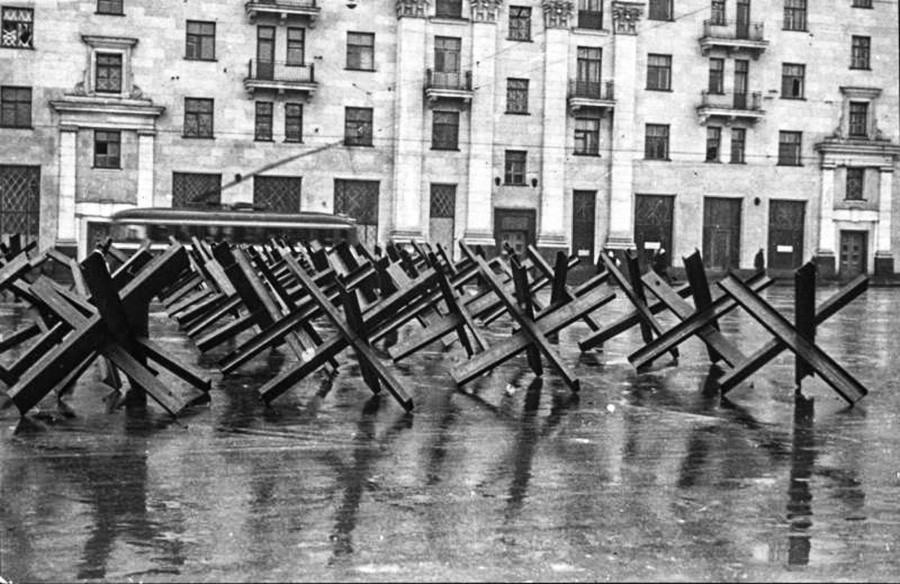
(639,476)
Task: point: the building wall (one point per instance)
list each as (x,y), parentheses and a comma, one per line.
(163,76)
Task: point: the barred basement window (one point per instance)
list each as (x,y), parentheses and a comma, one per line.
(17,28)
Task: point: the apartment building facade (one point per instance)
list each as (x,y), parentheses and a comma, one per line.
(719,125)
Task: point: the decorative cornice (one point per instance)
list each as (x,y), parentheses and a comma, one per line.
(626,16)
(485,10)
(411,8)
(108,42)
(557,13)
(869,148)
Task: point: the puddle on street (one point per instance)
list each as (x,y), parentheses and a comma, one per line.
(641,475)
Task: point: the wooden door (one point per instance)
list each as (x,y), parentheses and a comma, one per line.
(853,254)
(653,226)
(786,220)
(515,227)
(584,204)
(721,233)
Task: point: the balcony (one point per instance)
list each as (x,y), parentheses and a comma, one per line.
(592,94)
(281,77)
(284,9)
(733,36)
(745,106)
(448,85)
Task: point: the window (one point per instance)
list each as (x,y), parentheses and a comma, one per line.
(590,14)
(792,80)
(514,167)
(656,142)
(860,52)
(358,126)
(280,194)
(516,96)
(293,122)
(445,131)
(859,113)
(713,142)
(263,121)
(17,28)
(448,9)
(659,72)
(587,72)
(15,107)
(295,41)
(855,184)
(789,148)
(587,136)
(447,54)
(108,73)
(717,13)
(361,51)
(660,10)
(717,76)
(520,23)
(862,3)
(201,41)
(109,7)
(738,145)
(198,118)
(794,14)
(107,148)
(195,188)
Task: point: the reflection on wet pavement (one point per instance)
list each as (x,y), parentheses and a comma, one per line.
(642,475)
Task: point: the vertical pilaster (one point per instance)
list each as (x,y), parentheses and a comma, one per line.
(551,236)
(825,255)
(621,223)
(478,229)
(145,168)
(409,119)
(884,260)
(66,231)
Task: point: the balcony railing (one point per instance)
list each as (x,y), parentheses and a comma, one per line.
(283,8)
(448,85)
(280,76)
(746,105)
(734,30)
(458,80)
(733,35)
(596,94)
(600,90)
(592,19)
